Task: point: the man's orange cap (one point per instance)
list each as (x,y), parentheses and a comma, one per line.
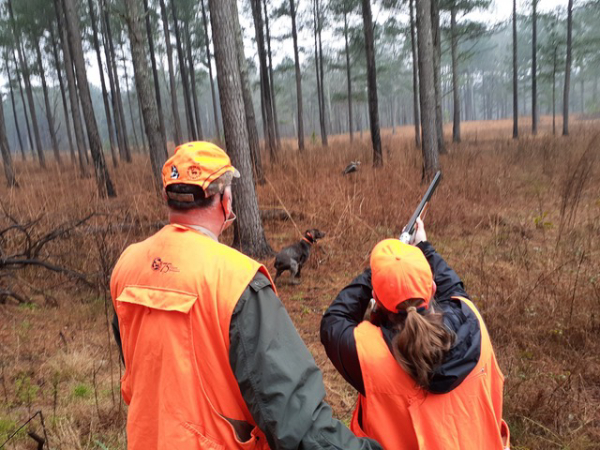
(199,163)
(400,272)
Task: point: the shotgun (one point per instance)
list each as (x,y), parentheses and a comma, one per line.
(409,229)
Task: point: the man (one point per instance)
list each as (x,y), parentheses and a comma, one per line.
(212,358)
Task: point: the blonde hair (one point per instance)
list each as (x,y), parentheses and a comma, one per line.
(421,341)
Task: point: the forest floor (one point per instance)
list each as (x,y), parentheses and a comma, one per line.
(519,221)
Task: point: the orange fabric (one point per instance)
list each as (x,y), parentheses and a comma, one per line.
(402,416)
(174,295)
(400,272)
(198,163)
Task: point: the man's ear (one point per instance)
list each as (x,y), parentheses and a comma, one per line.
(433,288)
(227,204)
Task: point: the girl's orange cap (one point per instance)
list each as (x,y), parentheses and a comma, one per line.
(400,272)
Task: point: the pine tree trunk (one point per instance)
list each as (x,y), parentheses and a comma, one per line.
(299,114)
(73,94)
(372,83)
(14,109)
(436,35)
(62,94)
(250,234)
(554,91)
(515,76)
(210,75)
(534,107)
(109,122)
(413,46)
(22,95)
(348,75)
(323,117)
(143,85)
(105,186)
(427,90)
(271,78)
(568,70)
(264,77)
(111,58)
(188,45)
(9,172)
(177,136)
(253,139)
(161,119)
(184,77)
(129,102)
(455,80)
(49,117)
(28,89)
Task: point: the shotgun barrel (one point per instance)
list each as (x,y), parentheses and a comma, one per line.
(409,229)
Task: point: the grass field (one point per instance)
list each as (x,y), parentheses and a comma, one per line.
(518,220)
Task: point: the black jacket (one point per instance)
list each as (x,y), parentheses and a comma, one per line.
(278,377)
(349,307)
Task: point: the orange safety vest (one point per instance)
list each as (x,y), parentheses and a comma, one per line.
(402,416)
(174,295)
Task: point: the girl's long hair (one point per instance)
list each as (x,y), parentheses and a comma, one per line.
(421,341)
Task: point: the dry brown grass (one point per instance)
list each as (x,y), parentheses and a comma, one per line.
(518,220)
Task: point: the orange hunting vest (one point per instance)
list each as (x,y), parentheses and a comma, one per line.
(174,295)
(402,416)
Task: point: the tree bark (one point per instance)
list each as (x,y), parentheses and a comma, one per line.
(188,46)
(62,94)
(554,90)
(268,118)
(437,64)
(28,89)
(372,83)
(143,85)
(73,94)
(9,172)
(161,119)
(515,76)
(253,140)
(534,107)
(129,102)
(348,74)
(111,58)
(210,75)
(455,80)
(177,136)
(250,234)
(319,68)
(299,114)
(105,186)
(568,70)
(271,77)
(427,90)
(413,47)
(184,77)
(49,117)
(14,109)
(109,122)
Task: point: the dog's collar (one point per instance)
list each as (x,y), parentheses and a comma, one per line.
(309,242)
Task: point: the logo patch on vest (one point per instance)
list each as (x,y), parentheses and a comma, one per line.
(174,173)
(162,266)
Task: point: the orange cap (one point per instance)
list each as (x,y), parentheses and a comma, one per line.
(400,272)
(200,163)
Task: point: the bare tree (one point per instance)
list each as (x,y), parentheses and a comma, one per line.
(436,35)
(455,81)
(534,108)
(299,118)
(194,93)
(4,148)
(105,186)
(317,25)
(413,46)
(568,70)
(143,86)
(174,106)
(515,76)
(250,233)
(372,83)
(14,109)
(271,77)
(427,90)
(210,73)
